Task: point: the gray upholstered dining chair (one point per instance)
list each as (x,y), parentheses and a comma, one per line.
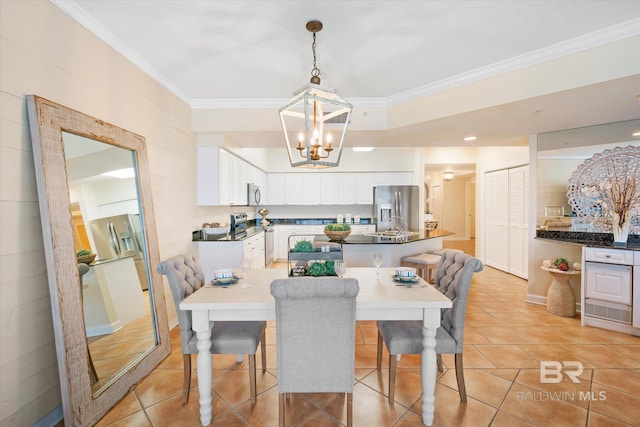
(453,279)
(315,329)
(185,276)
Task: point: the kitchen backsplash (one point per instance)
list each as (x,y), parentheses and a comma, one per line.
(221,213)
(323,211)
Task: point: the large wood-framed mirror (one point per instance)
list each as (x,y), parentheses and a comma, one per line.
(120,291)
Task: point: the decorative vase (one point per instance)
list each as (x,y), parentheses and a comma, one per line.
(620,231)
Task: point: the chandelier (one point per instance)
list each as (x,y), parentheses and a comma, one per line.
(315,120)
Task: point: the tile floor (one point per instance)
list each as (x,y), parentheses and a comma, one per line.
(505,340)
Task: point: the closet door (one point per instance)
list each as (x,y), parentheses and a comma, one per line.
(518,221)
(497,219)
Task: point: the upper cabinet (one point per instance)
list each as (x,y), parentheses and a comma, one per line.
(330,188)
(223,178)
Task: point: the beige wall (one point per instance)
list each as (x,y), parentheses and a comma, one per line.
(44,52)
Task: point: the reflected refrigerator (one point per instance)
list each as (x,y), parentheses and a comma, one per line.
(395,207)
(118,237)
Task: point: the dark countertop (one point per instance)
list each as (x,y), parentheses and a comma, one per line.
(313,221)
(422,234)
(351,239)
(599,240)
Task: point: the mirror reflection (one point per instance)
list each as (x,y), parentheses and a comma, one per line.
(109,239)
(559,155)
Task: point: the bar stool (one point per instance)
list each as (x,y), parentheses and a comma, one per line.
(425,263)
(439,251)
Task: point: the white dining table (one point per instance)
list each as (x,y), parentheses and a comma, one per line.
(378,299)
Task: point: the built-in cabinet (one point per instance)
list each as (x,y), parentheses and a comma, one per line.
(506,220)
(223,178)
(330,188)
(253,248)
(608,287)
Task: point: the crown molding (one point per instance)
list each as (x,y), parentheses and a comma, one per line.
(271,103)
(578,44)
(97,29)
(607,35)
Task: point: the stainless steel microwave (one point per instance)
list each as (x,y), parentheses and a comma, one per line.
(253,194)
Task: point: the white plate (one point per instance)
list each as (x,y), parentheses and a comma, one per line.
(226,281)
(400,279)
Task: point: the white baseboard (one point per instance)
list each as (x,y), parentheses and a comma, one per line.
(104,329)
(51,419)
(541,300)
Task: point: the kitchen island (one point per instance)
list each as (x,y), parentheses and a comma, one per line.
(358,249)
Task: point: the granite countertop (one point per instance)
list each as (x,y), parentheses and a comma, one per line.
(599,240)
(254,229)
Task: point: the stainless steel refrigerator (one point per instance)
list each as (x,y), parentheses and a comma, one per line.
(121,236)
(395,207)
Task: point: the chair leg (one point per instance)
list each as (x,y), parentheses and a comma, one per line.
(252,378)
(263,348)
(186,361)
(379,359)
(460,377)
(281,410)
(393,361)
(439,362)
(349,409)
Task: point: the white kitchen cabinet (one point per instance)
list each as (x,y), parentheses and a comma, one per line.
(294,188)
(391,178)
(277,188)
(329,188)
(346,188)
(312,184)
(363,189)
(253,248)
(363,228)
(222,178)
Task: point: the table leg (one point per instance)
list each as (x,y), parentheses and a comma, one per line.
(428,364)
(200,324)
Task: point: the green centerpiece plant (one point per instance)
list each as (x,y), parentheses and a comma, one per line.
(337,231)
(303,246)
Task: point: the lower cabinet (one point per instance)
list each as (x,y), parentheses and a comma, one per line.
(218,255)
(253,248)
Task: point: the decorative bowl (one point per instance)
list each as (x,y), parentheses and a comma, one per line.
(86,259)
(337,235)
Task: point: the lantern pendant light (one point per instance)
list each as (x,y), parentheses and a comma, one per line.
(315,120)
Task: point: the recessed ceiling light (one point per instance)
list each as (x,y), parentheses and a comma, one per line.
(362,148)
(635,134)
(470,138)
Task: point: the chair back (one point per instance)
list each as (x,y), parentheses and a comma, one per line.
(185,276)
(453,279)
(315,328)
(82,270)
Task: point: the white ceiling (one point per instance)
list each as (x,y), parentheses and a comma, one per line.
(374,53)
